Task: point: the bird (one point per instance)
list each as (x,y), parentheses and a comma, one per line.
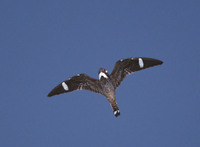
(107,83)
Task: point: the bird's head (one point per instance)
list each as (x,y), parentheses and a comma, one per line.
(103,73)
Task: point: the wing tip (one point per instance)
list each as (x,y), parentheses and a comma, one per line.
(159,62)
(49,95)
(55,92)
(149,62)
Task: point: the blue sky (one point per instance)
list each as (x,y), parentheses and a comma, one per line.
(45,42)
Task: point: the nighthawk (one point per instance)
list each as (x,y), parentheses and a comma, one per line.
(107,83)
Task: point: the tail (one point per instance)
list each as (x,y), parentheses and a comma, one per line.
(115,108)
(116,113)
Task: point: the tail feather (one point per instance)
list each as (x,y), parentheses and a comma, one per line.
(115,108)
(116,113)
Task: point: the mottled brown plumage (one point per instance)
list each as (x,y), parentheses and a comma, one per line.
(107,84)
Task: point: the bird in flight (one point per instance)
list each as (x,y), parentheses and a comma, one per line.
(107,83)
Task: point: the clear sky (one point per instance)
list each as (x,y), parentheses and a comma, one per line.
(45,42)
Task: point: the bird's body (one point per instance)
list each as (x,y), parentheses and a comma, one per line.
(107,84)
(109,92)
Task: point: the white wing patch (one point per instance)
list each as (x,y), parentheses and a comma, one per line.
(141,63)
(101,74)
(64,85)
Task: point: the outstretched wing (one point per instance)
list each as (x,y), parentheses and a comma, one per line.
(125,67)
(78,82)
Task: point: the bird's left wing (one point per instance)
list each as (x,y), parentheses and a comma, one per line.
(78,82)
(125,67)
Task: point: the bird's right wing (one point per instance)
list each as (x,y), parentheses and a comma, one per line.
(125,67)
(78,82)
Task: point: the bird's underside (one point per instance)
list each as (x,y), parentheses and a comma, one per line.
(107,84)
